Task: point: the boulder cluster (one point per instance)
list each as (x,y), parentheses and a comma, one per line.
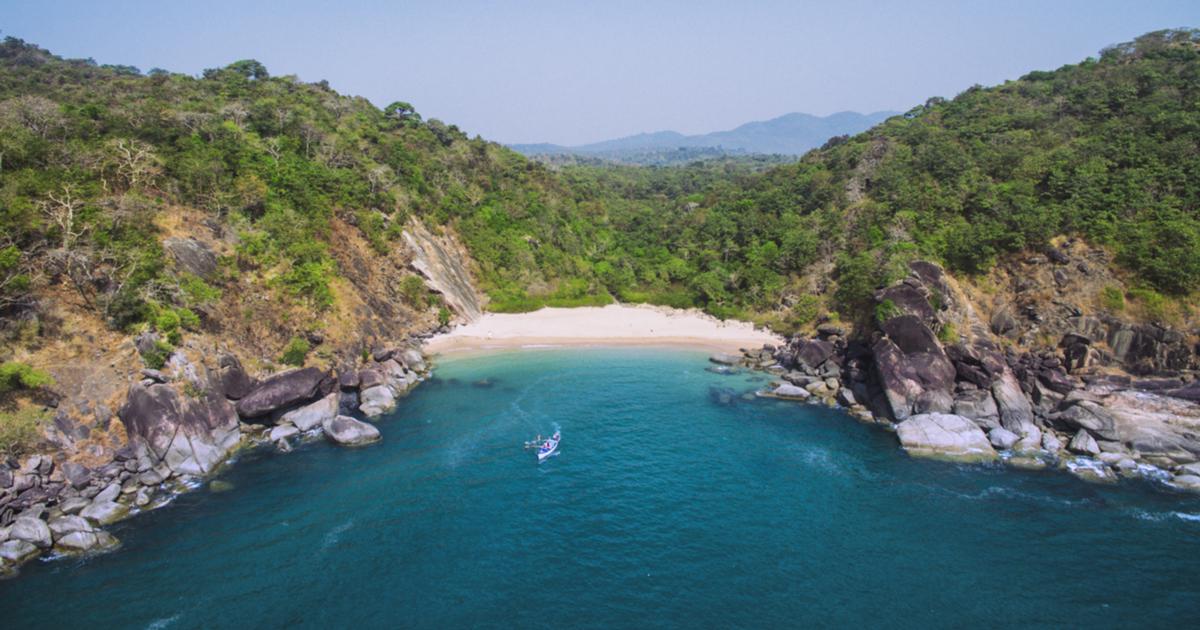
(953,389)
(183,422)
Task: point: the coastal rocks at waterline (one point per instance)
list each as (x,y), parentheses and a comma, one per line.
(944,436)
(75,534)
(381,384)
(347,431)
(182,424)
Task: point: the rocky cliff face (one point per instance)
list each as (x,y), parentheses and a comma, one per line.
(443,262)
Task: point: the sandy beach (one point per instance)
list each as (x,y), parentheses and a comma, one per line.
(612,325)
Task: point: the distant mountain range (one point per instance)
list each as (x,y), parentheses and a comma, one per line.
(790,134)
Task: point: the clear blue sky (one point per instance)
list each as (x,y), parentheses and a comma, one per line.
(573,72)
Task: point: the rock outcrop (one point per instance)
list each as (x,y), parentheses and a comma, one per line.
(185,435)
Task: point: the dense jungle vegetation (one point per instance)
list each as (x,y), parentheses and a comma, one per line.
(1107,149)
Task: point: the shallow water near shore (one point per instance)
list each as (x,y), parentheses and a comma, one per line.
(670,504)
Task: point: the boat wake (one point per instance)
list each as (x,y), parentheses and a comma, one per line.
(335,534)
(159,624)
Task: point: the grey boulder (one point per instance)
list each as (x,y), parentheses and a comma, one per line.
(376,400)
(313,414)
(788,391)
(84,542)
(1002,438)
(283,391)
(283,432)
(105,512)
(347,431)
(1084,444)
(17,551)
(32,530)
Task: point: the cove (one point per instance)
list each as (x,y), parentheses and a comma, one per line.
(674,502)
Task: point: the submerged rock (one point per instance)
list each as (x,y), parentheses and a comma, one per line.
(724,396)
(347,431)
(724,358)
(944,436)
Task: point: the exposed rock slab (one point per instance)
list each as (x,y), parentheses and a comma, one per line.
(944,436)
(442,263)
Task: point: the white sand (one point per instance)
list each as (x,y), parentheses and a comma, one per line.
(612,325)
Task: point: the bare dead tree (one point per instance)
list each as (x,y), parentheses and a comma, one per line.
(40,115)
(237,113)
(194,122)
(274,148)
(62,210)
(311,135)
(380,178)
(135,162)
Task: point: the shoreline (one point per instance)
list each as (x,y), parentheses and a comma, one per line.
(614,325)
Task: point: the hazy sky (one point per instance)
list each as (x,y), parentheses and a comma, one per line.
(574,72)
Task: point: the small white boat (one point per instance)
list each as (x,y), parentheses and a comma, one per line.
(549,447)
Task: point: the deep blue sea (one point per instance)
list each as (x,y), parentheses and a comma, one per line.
(670,505)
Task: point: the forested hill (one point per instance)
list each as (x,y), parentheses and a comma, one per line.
(91,158)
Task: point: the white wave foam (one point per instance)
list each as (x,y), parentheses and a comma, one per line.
(159,624)
(335,534)
(1158,517)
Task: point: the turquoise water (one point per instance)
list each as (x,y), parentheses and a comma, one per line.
(664,508)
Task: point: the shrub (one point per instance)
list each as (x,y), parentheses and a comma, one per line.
(1112,298)
(188,319)
(886,310)
(805,310)
(413,290)
(1152,302)
(15,375)
(21,430)
(948,333)
(197,292)
(157,357)
(167,322)
(443,315)
(295,352)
